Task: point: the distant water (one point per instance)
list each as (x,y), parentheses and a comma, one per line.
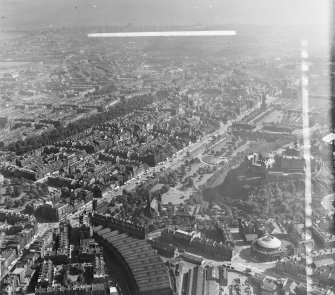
(10,35)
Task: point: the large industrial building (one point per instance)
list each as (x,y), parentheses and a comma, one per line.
(145,269)
(201,280)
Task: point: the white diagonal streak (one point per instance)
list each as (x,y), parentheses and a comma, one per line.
(163,34)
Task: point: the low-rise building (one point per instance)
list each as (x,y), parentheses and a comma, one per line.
(46,274)
(88,249)
(323,261)
(324,234)
(92,289)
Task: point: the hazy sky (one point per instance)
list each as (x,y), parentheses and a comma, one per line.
(37,13)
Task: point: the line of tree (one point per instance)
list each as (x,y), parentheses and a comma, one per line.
(62,132)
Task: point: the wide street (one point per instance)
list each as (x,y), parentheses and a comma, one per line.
(193,150)
(42,228)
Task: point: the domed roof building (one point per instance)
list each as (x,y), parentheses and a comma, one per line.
(267,248)
(269,242)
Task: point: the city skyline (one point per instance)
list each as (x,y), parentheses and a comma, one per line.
(51,13)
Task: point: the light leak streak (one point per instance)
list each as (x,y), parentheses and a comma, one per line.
(164,34)
(307,156)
